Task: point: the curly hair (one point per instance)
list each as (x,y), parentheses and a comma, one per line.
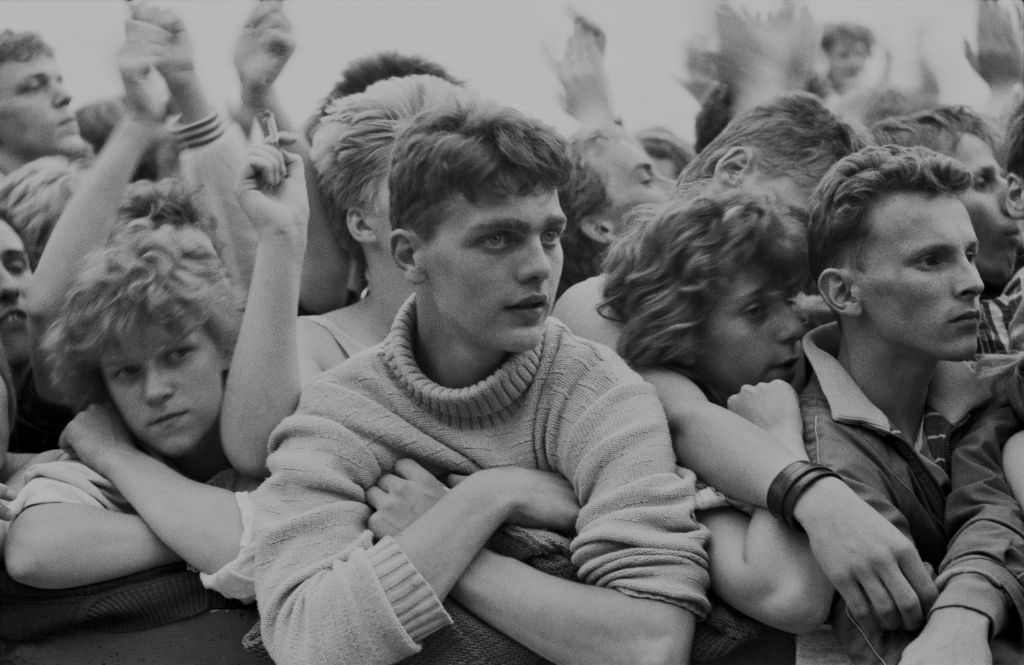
(22,46)
(33,196)
(939,128)
(667,273)
(352,145)
(478,150)
(363,72)
(148,276)
(840,205)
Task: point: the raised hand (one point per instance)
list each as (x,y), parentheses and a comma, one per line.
(165,33)
(263,47)
(273,192)
(136,60)
(581,71)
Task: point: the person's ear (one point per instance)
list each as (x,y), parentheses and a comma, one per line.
(735,165)
(598,229)
(405,245)
(839,291)
(359,227)
(1015,195)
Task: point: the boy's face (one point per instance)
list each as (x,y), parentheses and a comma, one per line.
(35,113)
(999,237)
(916,280)
(490,273)
(846,60)
(14,276)
(751,335)
(168,391)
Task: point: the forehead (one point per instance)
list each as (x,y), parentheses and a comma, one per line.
(534,209)
(974,152)
(614,152)
(148,341)
(13,72)
(901,223)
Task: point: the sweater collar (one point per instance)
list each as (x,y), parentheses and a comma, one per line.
(494,396)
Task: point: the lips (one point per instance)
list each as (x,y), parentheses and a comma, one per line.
(13,318)
(531,302)
(166,418)
(972,316)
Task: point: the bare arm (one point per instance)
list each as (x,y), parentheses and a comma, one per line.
(263,381)
(62,545)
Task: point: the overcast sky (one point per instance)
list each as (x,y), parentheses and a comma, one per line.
(496,45)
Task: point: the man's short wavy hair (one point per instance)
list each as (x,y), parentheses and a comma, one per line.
(352,145)
(148,276)
(33,196)
(665,276)
(840,205)
(478,150)
(1013,146)
(22,46)
(793,136)
(939,128)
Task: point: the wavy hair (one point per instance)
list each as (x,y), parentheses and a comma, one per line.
(148,276)
(668,272)
(839,206)
(939,128)
(22,46)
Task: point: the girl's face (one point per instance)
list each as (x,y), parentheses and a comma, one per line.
(751,335)
(168,390)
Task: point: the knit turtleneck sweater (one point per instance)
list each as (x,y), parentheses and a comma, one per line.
(328,593)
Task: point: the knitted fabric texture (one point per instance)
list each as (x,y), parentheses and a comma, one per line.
(327,591)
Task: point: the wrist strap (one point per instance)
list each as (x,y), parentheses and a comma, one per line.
(790,484)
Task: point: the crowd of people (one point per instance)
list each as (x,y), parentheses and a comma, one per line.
(425,381)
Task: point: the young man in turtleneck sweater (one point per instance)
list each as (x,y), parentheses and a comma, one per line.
(475,379)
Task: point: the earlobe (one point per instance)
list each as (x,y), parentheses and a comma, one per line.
(404,245)
(598,229)
(734,166)
(839,292)
(358,227)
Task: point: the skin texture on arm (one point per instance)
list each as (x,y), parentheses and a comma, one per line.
(263,382)
(1013,464)
(63,545)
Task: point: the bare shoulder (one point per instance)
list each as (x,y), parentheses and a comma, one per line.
(577,309)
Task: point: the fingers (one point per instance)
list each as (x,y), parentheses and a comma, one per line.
(922,586)
(375,496)
(267,166)
(412,470)
(453,479)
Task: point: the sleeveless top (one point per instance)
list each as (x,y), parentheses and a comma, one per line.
(348,344)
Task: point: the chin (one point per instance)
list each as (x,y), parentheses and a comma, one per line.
(523,340)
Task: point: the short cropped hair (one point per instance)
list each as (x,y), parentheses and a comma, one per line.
(665,275)
(1013,145)
(363,72)
(164,276)
(352,146)
(794,136)
(939,128)
(481,151)
(22,46)
(840,205)
(845,32)
(33,196)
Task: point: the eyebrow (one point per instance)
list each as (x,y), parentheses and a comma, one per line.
(515,224)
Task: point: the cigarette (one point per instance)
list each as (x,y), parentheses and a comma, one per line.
(268,125)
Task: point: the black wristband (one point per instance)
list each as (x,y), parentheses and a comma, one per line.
(790,484)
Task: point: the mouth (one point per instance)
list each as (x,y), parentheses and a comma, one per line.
(13,318)
(167,418)
(531,303)
(971,316)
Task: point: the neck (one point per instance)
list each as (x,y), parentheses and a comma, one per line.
(388,289)
(443,358)
(894,382)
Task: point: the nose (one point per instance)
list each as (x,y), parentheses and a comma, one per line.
(12,286)
(61,97)
(789,324)
(157,386)
(969,284)
(538,261)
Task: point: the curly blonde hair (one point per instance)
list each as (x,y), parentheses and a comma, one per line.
(163,276)
(665,276)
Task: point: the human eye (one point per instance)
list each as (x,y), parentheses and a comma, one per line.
(179,354)
(32,84)
(496,241)
(984,179)
(754,311)
(123,373)
(15,262)
(551,237)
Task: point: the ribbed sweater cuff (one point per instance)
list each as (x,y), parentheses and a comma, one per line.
(975,591)
(199,133)
(411,597)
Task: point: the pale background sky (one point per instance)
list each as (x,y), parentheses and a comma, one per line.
(496,45)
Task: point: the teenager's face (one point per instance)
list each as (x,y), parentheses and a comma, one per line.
(846,60)
(14,276)
(751,335)
(628,174)
(916,278)
(490,273)
(999,237)
(35,113)
(168,391)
